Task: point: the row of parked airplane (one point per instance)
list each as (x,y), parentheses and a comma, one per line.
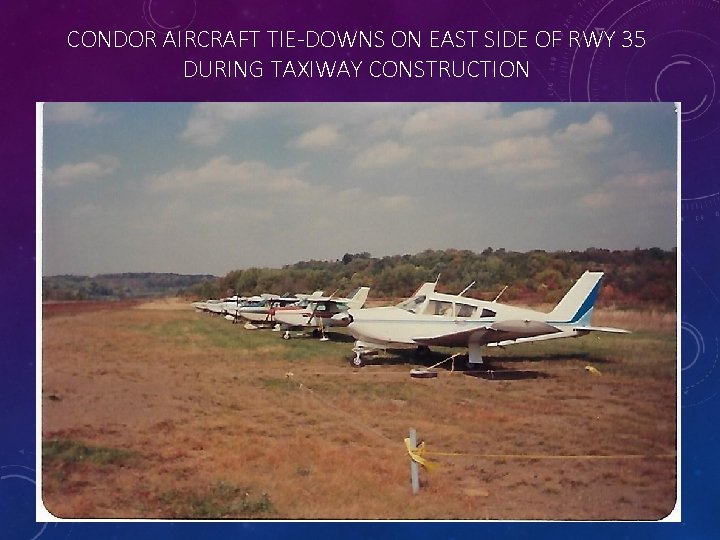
(302,311)
(428,318)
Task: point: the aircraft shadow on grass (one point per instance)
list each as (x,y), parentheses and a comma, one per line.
(494,367)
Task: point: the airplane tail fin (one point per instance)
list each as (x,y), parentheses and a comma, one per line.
(358,299)
(577,305)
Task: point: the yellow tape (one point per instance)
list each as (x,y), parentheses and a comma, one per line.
(416,454)
(550,456)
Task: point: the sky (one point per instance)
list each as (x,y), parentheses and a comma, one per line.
(206,188)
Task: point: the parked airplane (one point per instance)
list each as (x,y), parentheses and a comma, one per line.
(319,312)
(217,307)
(429,319)
(259,309)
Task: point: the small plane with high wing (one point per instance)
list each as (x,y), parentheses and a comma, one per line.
(319,313)
(258,310)
(429,318)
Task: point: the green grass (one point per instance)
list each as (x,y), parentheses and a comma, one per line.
(641,353)
(205,331)
(220,501)
(651,353)
(278,384)
(68,451)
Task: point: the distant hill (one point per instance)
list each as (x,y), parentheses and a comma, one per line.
(633,278)
(119,286)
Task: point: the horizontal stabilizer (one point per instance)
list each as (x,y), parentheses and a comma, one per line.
(601,329)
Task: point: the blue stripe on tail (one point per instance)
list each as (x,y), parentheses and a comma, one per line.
(583,314)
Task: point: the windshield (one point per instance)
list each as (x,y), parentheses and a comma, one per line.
(412,304)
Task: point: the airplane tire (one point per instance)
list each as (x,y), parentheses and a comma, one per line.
(357,361)
(286,335)
(423,374)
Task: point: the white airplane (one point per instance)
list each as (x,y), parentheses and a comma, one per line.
(216,307)
(259,309)
(430,318)
(319,313)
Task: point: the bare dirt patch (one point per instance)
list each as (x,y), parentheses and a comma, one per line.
(221,422)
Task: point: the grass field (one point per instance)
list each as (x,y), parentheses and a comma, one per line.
(155,411)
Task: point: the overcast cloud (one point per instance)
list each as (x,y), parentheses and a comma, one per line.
(211,187)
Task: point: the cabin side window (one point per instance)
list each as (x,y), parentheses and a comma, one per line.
(465,310)
(438,307)
(487,313)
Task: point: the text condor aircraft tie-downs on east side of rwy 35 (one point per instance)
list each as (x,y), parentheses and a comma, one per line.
(429,318)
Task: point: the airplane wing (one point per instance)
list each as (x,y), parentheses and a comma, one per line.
(568,331)
(483,334)
(510,332)
(457,339)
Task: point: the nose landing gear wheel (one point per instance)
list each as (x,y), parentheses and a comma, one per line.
(357,360)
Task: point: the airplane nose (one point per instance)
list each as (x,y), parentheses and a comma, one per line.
(342,319)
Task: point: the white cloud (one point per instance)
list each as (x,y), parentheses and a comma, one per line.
(73,113)
(383,154)
(396,202)
(448,117)
(478,120)
(210,122)
(598,127)
(323,136)
(510,154)
(86,171)
(634,191)
(523,121)
(528,160)
(222,173)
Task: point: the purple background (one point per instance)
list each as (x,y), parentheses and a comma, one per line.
(678,63)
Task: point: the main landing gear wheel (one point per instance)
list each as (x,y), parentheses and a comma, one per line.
(286,334)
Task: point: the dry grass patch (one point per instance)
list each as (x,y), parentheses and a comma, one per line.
(226,423)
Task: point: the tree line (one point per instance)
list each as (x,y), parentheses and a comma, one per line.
(118,286)
(633,278)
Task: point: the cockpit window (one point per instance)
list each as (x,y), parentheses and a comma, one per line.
(412,304)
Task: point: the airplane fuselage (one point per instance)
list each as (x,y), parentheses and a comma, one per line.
(439,316)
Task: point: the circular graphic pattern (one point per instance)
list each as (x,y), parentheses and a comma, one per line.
(699,345)
(660,51)
(167,15)
(700,368)
(14,480)
(688,67)
(663,50)
(700,203)
(701,210)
